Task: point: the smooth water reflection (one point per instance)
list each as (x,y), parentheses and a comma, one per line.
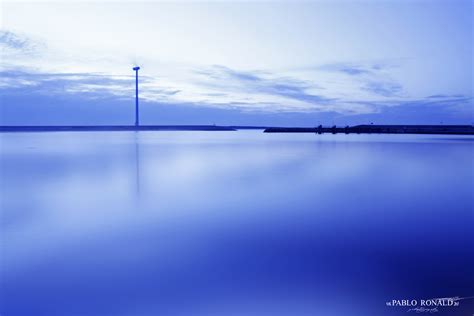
(234,223)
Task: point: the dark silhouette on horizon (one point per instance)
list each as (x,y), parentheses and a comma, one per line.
(357,129)
(379,129)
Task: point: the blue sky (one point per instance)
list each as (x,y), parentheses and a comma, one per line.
(259,63)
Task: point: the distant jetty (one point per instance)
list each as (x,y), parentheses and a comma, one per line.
(115,128)
(379,129)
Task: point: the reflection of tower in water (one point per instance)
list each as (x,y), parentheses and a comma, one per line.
(137,164)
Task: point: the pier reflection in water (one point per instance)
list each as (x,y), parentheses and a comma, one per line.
(233,223)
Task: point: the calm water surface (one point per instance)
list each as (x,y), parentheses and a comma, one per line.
(233,223)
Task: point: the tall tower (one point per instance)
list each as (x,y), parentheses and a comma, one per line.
(137,114)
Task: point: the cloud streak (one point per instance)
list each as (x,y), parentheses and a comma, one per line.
(14,44)
(385,89)
(356,69)
(259,84)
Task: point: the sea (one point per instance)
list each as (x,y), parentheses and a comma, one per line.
(235,223)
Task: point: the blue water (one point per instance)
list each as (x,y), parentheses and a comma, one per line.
(234,223)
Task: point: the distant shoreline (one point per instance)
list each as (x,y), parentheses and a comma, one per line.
(358,129)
